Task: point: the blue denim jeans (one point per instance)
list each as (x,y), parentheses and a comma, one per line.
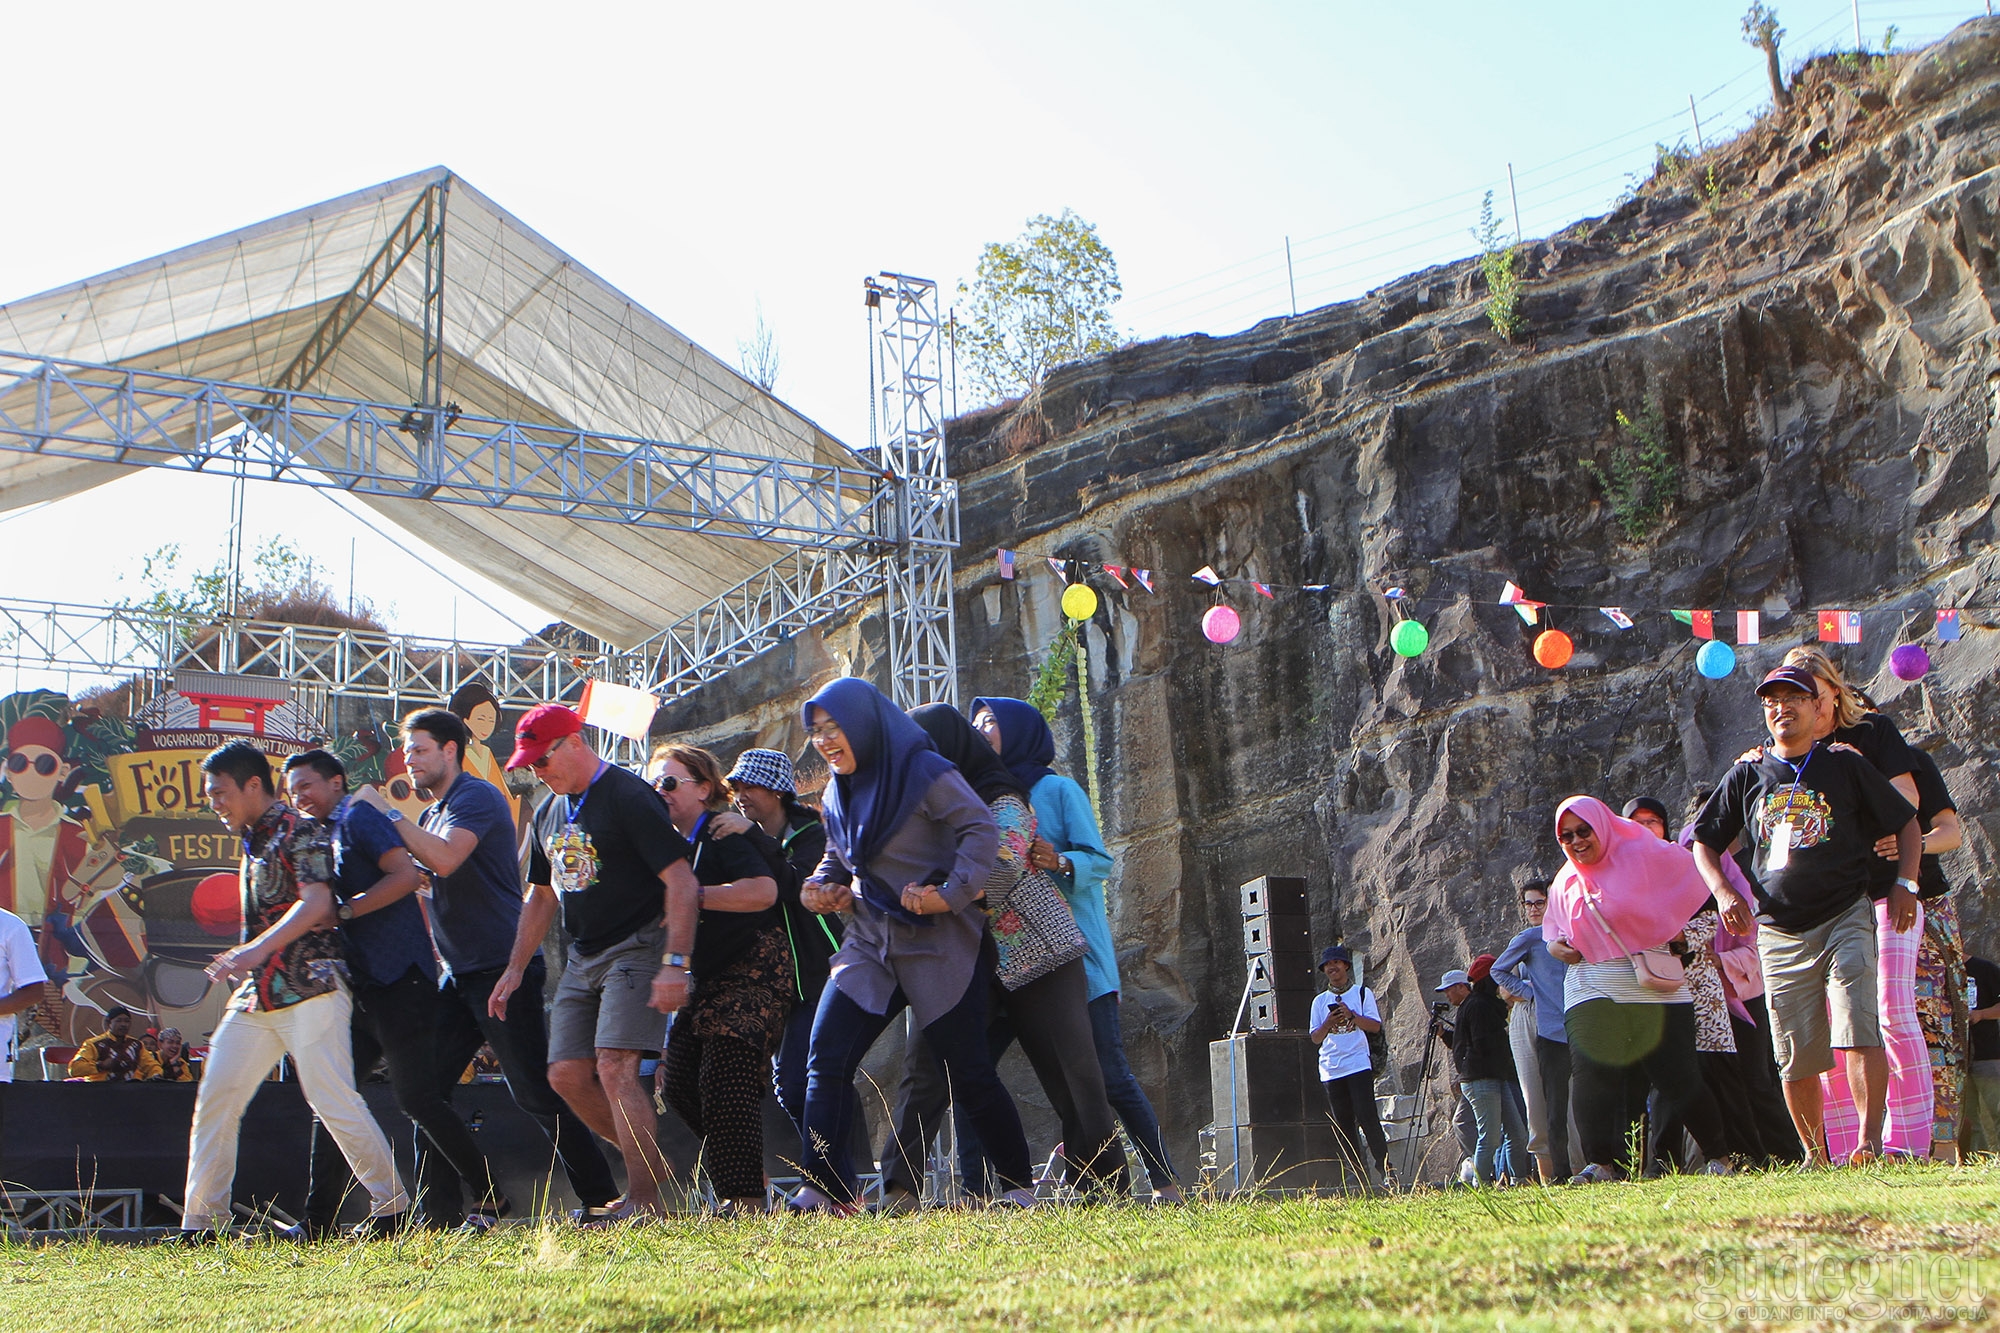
(842,1033)
(1493,1112)
(1127,1098)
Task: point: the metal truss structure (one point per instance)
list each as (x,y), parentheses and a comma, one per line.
(853,532)
(39,1212)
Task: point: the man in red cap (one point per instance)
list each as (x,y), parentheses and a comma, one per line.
(40,846)
(605,850)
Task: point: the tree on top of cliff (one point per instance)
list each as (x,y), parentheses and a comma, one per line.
(1761,30)
(1042,300)
(287,588)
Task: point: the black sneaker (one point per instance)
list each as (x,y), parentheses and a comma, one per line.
(384,1227)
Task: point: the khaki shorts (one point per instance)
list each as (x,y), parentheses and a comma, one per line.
(1820,985)
(601,1000)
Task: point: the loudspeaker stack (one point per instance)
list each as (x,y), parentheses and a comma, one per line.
(1277,946)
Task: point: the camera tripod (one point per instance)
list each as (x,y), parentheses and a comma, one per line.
(1434,1030)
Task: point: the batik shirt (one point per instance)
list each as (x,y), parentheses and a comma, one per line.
(282,851)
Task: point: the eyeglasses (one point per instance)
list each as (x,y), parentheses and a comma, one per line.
(665,783)
(539,764)
(1534,902)
(825,731)
(45,764)
(1776,702)
(1580,834)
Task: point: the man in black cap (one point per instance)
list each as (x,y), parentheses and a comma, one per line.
(1811,816)
(1344,1016)
(114,1055)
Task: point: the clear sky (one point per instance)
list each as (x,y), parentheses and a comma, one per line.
(711,159)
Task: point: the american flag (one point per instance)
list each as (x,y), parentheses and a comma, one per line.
(1006,564)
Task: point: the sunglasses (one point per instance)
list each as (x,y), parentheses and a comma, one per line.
(539,764)
(45,764)
(665,783)
(1583,833)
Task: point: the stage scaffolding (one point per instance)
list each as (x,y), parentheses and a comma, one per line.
(839,528)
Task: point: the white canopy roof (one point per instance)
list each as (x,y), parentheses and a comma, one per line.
(529,335)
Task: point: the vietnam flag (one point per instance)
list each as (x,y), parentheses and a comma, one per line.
(1840,627)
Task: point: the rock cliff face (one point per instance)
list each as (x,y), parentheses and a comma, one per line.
(1818,330)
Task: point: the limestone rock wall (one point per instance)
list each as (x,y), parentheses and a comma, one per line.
(1820,332)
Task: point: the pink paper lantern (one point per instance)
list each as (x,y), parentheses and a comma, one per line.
(1221,624)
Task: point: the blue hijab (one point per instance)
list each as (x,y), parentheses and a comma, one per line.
(1027,747)
(894,765)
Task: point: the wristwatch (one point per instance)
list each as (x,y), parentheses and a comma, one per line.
(679,960)
(345,911)
(394,816)
(1062,865)
(1909,884)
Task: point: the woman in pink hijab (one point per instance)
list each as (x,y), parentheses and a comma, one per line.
(1623,891)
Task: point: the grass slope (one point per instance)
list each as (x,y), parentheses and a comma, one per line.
(1902,1246)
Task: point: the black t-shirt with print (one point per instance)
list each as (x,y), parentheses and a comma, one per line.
(722,937)
(1881,743)
(606,869)
(1839,804)
(1933,797)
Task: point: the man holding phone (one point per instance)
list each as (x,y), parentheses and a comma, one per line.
(1343,1017)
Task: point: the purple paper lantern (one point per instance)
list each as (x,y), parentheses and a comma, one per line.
(1220,624)
(1910,662)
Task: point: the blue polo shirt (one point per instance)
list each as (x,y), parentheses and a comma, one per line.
(383,946)
(475,908)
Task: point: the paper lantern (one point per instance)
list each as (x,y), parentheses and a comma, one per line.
(1079,601)
(1910,662)
(1553,648)
(1715,659)
(1409,638)
(1220,624)
(217,906)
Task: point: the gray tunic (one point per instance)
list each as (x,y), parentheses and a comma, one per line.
(932,958)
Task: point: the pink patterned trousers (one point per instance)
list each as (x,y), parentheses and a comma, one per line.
(1907,1127)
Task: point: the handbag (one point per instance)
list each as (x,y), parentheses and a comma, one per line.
(1657,969)
(1033,928)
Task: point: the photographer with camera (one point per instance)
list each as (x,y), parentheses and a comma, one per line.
(1485,1064)
(1344,1017)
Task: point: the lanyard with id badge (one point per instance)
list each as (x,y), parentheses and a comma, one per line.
(1784,834)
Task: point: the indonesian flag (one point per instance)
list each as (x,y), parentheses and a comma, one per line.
(1703,624)
(1616,615)
(1747,627)
(1947,626)
(1840,627)
(1006,564)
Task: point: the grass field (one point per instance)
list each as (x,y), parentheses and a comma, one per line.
(1895,1246)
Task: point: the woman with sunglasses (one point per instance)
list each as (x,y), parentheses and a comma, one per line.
(1623,890)
(719,1051)
(909,847)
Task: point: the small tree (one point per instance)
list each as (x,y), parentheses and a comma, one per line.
(758,355)
(287,587)
(1496,261)
(1042,300)
(1761,30)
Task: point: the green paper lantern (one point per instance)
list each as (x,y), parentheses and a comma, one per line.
(1410,638)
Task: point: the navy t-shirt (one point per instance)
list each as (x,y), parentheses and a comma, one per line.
(611,851)
(1838,804)
(1933,798)
(384,945)
(475,909)
(1986,993)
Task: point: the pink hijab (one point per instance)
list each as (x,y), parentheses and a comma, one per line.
(1646,888)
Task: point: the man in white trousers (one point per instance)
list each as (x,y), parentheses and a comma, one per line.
(293,1000)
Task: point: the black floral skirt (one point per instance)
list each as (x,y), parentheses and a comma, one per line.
(749,999)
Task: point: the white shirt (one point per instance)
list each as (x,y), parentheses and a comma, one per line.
(1344,1053)
(19,969)
(1614,979)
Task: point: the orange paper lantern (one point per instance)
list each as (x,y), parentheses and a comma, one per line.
(1553,648)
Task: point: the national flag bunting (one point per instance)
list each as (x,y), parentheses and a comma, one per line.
(1118,575)
(1747,627)
(1531,612)
(1685,617)
(1394,594)
(1511,595)
(1145,577)
(1840,627)
(1207,575)
(1616,615)
(1006,564)
(1264,588)
(1947,626)
(1702,623)
(1055,567)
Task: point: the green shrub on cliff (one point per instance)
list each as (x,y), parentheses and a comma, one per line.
(1496,262)
(1642,477)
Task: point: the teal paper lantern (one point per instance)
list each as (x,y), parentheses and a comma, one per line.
(1715,660)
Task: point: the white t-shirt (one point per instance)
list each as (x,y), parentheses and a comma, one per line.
(19,968)
(1344,1053)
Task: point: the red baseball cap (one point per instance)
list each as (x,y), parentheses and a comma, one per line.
(544,725)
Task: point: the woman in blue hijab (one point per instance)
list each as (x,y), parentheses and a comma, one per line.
(909,847)
(1071,849)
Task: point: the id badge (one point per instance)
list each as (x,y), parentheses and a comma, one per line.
(1780,853)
